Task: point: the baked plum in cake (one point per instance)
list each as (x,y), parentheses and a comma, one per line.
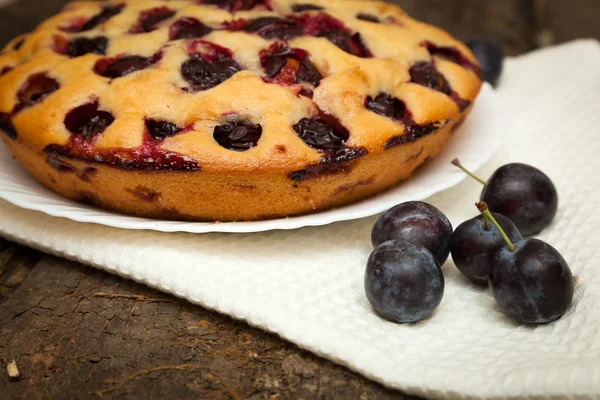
(230,110)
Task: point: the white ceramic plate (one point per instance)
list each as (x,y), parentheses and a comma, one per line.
(474,142)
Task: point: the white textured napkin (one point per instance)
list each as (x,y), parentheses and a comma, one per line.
(307,285)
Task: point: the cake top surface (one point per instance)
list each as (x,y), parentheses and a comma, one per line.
(230,84)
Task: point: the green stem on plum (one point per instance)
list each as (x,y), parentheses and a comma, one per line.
(457,163)
(483,208)
(486,223)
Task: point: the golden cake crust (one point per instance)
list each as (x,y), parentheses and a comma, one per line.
(392,87)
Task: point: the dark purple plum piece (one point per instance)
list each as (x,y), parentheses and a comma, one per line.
(204,75)
(386,105)
(474,244)
(412,133)
(350,43)
(327,135)
(417,222)
(160,130)
(391,107)
(307,72)
(7,126)
(82,46)
(238,5)
(100,18)
(335,161)
(524,194)
(532,284)
(325,26)
(18,44)
(368,17)
(321,134)
(461,103)
(306,7)
(425,74)
(451,54)
(274,61)
(238,136)
(35,89)
(119,67)
(188,28)
(149,19)
(88,121)
(403,282)
(273,28)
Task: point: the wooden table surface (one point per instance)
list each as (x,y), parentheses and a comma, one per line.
(76,332)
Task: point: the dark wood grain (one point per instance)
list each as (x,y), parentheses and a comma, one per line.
(77,332)
(560,20)
(507,21)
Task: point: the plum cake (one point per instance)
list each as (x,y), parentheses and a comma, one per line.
(231,110)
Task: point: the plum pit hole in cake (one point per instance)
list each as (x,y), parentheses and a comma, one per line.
(230,110)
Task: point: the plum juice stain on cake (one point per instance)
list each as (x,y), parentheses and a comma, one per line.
(86,122)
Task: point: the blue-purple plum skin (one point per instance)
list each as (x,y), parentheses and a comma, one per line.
(403,282)
(533,284)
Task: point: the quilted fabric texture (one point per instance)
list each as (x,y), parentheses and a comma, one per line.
(306,285)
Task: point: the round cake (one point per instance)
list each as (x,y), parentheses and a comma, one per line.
(231,110)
